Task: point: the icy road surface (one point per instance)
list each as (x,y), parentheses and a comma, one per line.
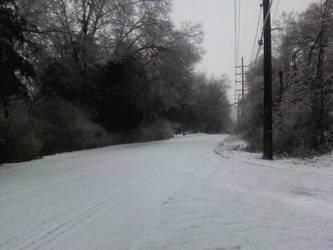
(174,194)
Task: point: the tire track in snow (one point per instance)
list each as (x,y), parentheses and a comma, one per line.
(28,182)
(69,179)
(69,218)
(62,188)
(72,218)
(77,220)
(87,218)
(47,203)
(85,186)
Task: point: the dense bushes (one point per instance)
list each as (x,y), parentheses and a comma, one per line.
(66,128)
(19,137)
(54,127)
(57,126)
(151,131)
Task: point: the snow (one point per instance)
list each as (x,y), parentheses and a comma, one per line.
(191,192)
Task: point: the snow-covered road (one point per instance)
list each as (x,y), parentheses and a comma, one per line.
(173,194)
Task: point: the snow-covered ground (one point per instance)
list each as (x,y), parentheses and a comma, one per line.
(183,193)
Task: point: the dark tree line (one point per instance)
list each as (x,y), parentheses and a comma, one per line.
(302,85)
(87,73)
(14,67)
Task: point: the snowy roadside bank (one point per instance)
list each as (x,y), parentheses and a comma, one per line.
(234,147)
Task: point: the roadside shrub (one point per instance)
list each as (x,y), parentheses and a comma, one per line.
(159,130)
(19,141)
(150,131)
(66,128)
(55,126)
(88,134)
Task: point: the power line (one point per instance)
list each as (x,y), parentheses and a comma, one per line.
(239,28)
(266,19)
(276,8)
(258,52)
(256,36)
(237,13)
(262,31)
(327,20)
(235,26)
(269,12)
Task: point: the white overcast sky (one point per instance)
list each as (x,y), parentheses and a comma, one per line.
(217,19)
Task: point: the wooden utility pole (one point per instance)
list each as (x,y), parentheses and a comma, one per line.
(268,120)
(243,84)
(238,110)
(242,74)
(241,96)
(281,86)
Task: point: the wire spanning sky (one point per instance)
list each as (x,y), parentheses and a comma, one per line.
(217,19)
